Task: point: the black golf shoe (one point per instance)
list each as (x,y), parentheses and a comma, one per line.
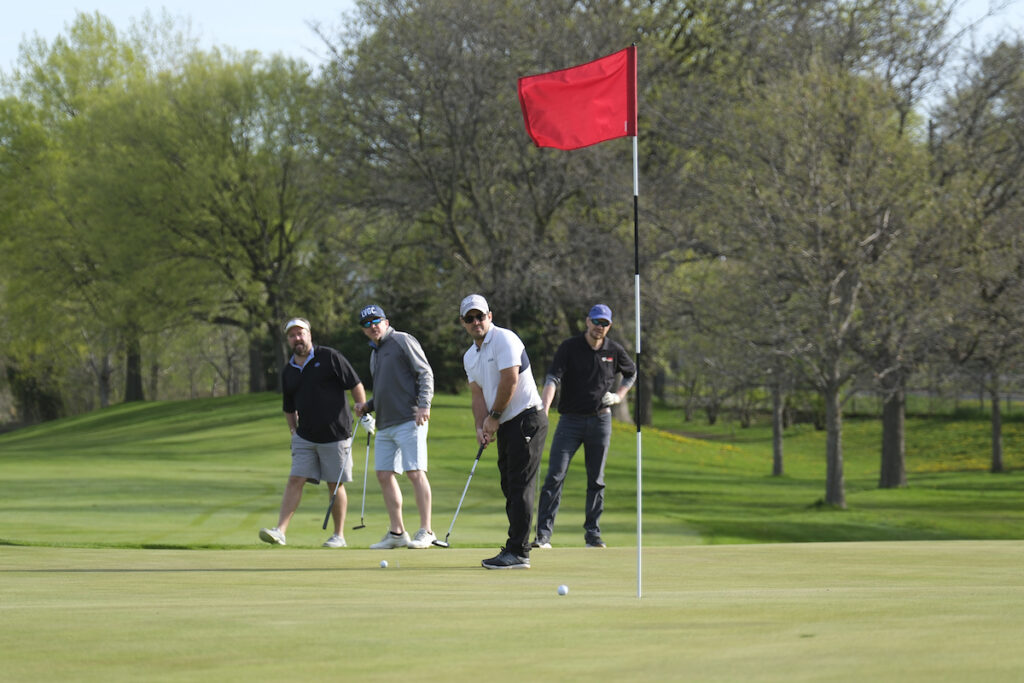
(506,560)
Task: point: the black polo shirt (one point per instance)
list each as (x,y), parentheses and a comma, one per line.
(317,392)
(585,374)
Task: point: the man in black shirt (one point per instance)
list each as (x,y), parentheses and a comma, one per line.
(585,366)
(313,384)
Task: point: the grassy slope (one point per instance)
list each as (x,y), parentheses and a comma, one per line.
(209,473)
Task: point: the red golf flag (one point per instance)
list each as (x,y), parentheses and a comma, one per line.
(582,105)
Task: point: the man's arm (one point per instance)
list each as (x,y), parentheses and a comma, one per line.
(547,394)
(424,379)
(628,370)
(507,381)
(554,377)
(479,413)
(358,394)
(293,421)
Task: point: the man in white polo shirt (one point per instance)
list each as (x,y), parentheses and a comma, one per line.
(507,409)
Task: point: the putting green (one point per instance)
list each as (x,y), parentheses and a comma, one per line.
(903,611)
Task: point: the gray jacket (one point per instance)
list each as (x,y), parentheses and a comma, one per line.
(402,378)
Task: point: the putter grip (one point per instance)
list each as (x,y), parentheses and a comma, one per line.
(329,506)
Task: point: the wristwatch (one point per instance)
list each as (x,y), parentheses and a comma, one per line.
(495,414)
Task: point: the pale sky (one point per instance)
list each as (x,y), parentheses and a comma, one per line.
(265,25)
(273,25)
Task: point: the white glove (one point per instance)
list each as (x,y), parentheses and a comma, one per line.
(610,399)
(369,424)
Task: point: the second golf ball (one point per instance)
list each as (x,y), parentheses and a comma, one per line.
(384,563)
(563,589)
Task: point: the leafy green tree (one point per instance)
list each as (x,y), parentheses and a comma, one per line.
(429,144)
(979,157)
(817,173)
(239,192)
(74,252)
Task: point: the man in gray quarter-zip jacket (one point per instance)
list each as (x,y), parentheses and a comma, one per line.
(403,387)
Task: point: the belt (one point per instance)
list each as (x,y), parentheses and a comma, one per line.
(524,413)
(601,411)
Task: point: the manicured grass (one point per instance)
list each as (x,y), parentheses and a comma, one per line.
(209,474)
(128,551)
(923,611)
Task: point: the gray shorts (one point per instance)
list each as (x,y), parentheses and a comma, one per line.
(401,448)
(316,461)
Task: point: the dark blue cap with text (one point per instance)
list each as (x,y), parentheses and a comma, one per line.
(370,312)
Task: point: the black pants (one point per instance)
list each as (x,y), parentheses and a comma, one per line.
(520,446)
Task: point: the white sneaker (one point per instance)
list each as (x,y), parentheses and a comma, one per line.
(422,539)
(272,536)
(391,541)
(335,541)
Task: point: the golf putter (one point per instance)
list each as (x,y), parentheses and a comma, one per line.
(444,543)
(338,485)
(366,468)
(333,497)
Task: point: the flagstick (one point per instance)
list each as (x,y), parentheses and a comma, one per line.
(560,110)
(639,384)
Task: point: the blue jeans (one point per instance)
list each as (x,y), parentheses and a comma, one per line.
(594,433)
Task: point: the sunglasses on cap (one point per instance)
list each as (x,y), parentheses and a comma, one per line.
(375,321)
(478,318)
(601,323)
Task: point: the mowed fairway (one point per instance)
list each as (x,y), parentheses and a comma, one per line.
(129,551)
(917,611)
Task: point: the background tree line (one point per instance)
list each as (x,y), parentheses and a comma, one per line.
(829,203)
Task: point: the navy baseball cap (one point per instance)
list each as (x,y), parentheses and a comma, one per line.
(600,312)
(370,312)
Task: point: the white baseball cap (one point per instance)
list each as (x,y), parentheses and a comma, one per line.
(473,302)
(296,322)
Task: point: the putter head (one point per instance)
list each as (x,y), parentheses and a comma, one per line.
(441,544)
(359,526)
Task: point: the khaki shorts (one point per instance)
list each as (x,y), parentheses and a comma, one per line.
(316,461)
(401,448)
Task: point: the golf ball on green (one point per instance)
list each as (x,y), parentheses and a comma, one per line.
(384,564)
(563,589)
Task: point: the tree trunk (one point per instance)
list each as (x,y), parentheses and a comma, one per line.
(778,408)
(643,397)
(660,382)
(133,369)
(835,489)
(36,397)
(997,432)
(711,411)
(154,378)
(104,374)
(281,355)
(893,473)
(690,403)
(256,383)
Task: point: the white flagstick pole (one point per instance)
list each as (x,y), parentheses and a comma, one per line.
(639,387)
